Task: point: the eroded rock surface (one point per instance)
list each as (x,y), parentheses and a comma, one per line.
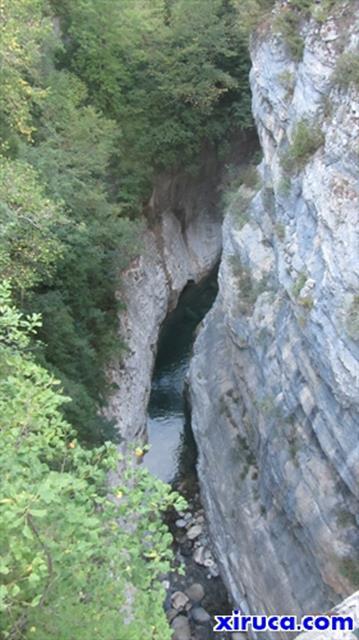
(181,245)
(275,373)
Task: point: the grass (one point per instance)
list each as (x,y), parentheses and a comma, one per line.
(307,139)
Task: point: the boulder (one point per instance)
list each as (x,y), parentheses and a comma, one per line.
(195,592)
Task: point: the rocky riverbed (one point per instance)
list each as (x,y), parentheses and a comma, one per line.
(197,594)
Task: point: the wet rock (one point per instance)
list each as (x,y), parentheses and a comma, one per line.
(199,555)
(171,615)
(181,628)
(186,549)
(179,600)
(195,592)
(194,532)
(200,615)
(181,523)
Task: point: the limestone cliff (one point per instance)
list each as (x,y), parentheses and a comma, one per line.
(275,373)
(181,244)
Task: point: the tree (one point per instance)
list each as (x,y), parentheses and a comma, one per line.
(71,559)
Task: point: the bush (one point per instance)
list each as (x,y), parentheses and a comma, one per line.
(287,24)
(299,284)
(347,70)
(307,139)
(352,319)
(252,13)
(69,555)
(349,568)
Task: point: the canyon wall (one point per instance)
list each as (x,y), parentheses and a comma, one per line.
(181,244)
(275,373)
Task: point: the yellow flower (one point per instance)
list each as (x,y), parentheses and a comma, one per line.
(139,453)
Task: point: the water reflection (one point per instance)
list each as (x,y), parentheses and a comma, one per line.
(172,446)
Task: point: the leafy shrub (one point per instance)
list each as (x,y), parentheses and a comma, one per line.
(299,284)
(347,70)
(307,139)
(349,568)
(69,555)
(248,288)
(280,230)
(287,24)
(287,81)
(352,318)
(253,13)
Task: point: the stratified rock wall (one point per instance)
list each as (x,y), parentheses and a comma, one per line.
(182,244)
(275,373)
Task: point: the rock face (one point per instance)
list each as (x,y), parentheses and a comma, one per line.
(275,373)
(181,245)
(350,607)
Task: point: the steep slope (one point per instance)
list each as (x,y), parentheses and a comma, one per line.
(182,245)
(275,373)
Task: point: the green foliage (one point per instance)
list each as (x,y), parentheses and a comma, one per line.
(74,146)
(71,561)
(349,568)
(352,318)
(252,14)
(280,230)
(287,23)
(125,89)
(345,519)
(287,80)
(29,225)
(347,70)
(170,78)
(290,17)
(307,302)
(24,29)
(299,284)
(241,184)
(249,289)
(306,140)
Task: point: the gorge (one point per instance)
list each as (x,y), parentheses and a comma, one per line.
(179,316)
(274,377)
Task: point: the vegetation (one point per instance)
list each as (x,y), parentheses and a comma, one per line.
(287,81)
(249,288)
(347,70)
(299,284)
(352,318)
(96,98)
(306,140)
(67,565)
(88,115)
(349,568)
(285,19)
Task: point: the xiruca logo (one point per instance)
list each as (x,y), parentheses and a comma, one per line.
(245,623)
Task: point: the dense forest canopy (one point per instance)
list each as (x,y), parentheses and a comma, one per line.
(97,96)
